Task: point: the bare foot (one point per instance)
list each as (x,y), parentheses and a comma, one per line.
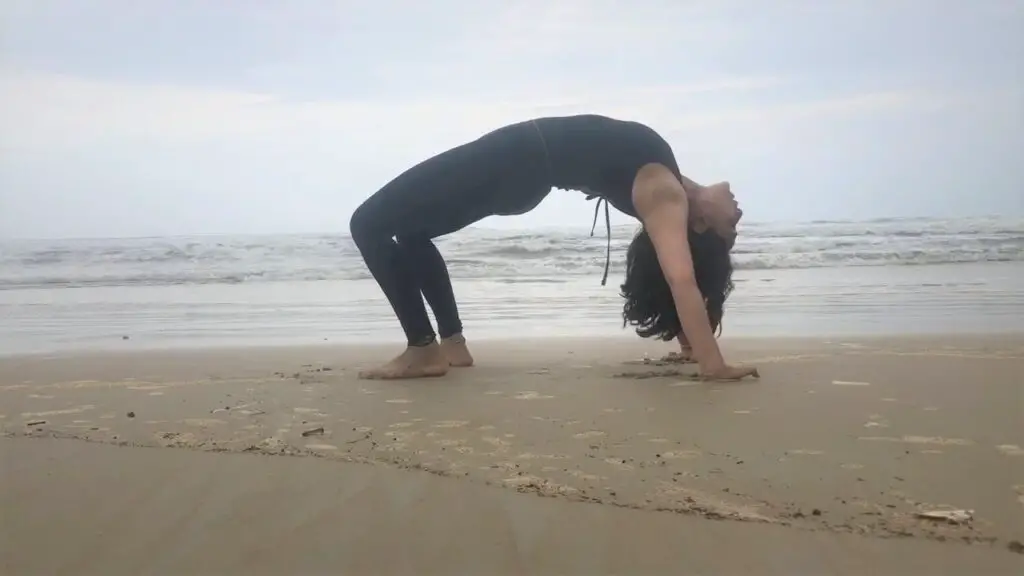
(416,362)
(457,352)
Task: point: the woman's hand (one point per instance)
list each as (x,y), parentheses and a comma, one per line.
(730,373)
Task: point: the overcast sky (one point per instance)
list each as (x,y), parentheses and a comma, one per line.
(122,117)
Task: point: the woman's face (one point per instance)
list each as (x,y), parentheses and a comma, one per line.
(719,210)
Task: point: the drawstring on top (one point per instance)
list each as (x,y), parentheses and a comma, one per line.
(608,229)
(597,207)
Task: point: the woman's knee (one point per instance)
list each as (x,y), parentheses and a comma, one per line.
(364,226)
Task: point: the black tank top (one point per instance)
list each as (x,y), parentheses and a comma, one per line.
(601,156)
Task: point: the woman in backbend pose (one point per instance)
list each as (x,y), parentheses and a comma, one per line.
(678,264)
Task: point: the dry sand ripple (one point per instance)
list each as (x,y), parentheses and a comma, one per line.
(790,449)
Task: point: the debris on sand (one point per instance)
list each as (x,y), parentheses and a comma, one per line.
(670,373)
(949,516)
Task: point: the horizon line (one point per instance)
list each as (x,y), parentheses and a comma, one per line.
(754,223)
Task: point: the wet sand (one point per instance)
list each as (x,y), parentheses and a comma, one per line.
(822,465)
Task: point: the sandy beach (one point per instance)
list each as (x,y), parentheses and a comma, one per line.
(549,457)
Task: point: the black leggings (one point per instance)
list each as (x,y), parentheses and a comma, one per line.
(504,172)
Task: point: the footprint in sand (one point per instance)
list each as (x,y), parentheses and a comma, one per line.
(321,447)
(450,423)
(176,438)
(585,476)
(936,440)
(496,442)
(403,435)
(202,422)
(448,442)
(532,456)
(619,463)
(393,447)
(75,410)
(531,395)
(540,484)
(525,480)
(876,421)
(681,455)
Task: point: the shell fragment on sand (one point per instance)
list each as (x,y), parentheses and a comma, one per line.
(950,516)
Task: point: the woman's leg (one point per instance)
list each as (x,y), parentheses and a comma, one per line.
(373,233)
(393,229)
(504,172)
(436,286)
(433,281)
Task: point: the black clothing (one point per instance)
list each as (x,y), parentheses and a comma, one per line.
(505,172)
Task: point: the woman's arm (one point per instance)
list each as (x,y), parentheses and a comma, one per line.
(661,203)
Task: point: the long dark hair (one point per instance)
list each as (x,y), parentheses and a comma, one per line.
(649,304)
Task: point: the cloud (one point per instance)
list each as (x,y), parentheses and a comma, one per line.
(283,116)
(91,152)
(42,111)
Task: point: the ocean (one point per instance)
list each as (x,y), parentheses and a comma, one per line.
(885,276)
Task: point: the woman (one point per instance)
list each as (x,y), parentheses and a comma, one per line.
(687,232)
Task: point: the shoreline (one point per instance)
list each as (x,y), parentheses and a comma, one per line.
(814,303)
(840,438)
(628,341)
